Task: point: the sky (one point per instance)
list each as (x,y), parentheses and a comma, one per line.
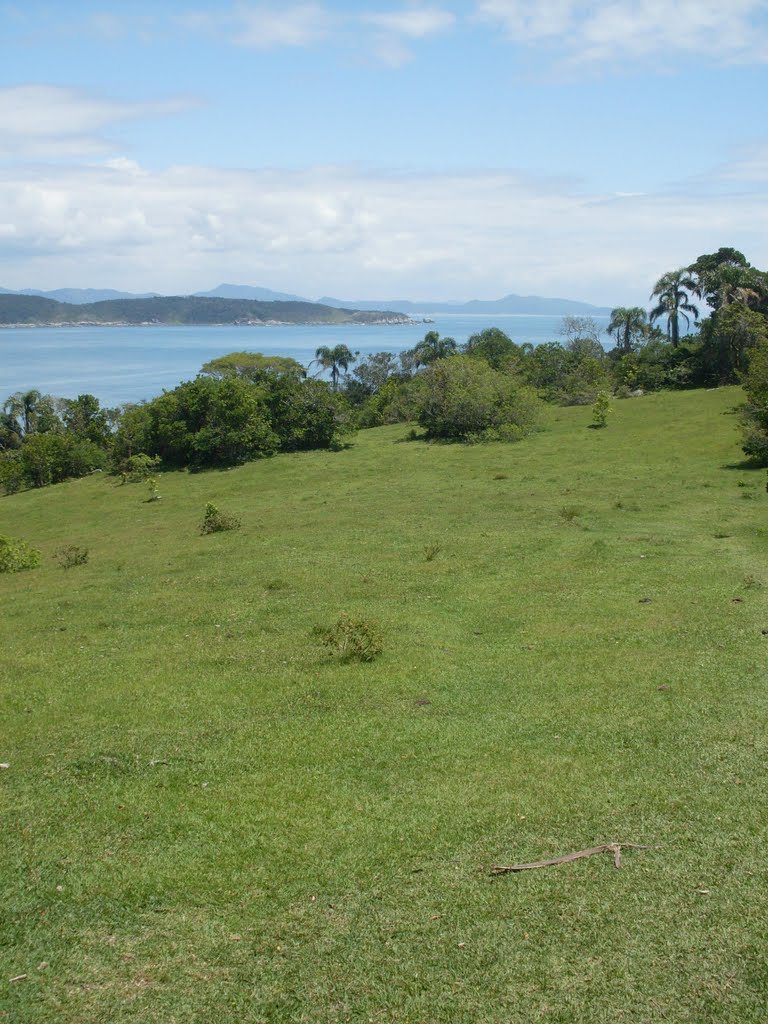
(446,150)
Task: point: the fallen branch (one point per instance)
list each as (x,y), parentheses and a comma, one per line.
(615,849)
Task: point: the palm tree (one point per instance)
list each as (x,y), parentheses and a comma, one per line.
(674,302)
(629,325)
(22,406)
(730,284)
(433,347)
(334,359)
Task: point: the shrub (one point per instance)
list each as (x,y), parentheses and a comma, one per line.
(216,521)
(153,486)
(352,639)
(17,555)
(70,555)
(12,476)
(49,458)
(463,398)
(138,468)
(601,409)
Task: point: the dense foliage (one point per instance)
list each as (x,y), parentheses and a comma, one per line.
(466,399)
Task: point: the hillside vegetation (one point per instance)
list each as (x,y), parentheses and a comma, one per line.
(187,309)
(210,818)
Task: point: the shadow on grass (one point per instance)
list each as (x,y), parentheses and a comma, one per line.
(748,465)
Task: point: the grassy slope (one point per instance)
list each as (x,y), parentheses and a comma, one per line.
(208,821)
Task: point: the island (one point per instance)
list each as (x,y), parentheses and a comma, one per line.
(182,310)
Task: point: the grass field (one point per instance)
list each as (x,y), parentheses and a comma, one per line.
(207,819)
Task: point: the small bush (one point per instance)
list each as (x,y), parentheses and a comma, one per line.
(70,555)
(352,639)
(17,555)
(216,521)
(138,468)
(601,409)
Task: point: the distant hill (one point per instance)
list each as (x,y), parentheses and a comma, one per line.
(247,291)
(524,304)
(190,309)
(79,296)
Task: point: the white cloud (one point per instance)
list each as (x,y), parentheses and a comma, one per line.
(616,31)
(331,230)
(414,23)
(46,121)
(267,26)
(749,165)
(263,27)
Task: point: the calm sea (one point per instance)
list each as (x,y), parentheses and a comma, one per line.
(128,364)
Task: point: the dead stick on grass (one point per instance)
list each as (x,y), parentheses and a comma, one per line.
(615,849)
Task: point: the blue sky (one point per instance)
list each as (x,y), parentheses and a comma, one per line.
(378,150)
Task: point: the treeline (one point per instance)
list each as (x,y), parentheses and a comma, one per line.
(247,406)
(185,310)
(672,346)
(222,418)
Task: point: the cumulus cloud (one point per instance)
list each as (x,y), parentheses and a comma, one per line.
(331,230)
(621,30)
(46,121)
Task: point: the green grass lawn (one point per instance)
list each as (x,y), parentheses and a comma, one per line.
(207,819)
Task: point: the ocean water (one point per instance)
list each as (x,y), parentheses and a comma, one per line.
(128,364)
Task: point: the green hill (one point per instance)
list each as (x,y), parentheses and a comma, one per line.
(207,818)
(189,309)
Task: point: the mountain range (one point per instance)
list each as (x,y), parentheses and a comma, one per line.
(524,304)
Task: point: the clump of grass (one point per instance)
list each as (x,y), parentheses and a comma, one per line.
(351,639)
(17,555)
(275,584)
(569,513)
(721,534)
(217,521)
(501,476)
(748,495)
(70,555)
(752,582)
(431,551)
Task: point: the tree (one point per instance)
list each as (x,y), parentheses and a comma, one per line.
(495,347)
(334,359)
(374,372)
(22,407)
(674,302)
(84,417)
(727,285)
(754,415)
(629,325)
(207,422)
(252,366)
(706,271)
(432,347)
(736,329)
(579,328)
